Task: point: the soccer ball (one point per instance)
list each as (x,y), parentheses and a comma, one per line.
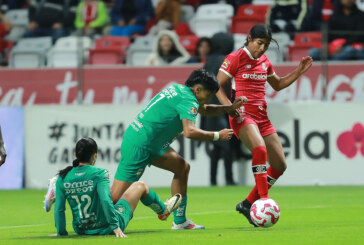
(265,212)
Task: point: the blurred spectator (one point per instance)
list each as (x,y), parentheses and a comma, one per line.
(203,49)
(168,50)
(130,17)
(50,18)
(222,44)
(5,27)
(319,12)
(346,33)
(287,16)
(168,14)
(91,17)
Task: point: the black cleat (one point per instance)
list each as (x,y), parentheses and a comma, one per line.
(243,207)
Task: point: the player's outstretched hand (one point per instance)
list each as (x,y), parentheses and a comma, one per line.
(305,64)
(118,232)
(226,134)
(2,154)
(234,111)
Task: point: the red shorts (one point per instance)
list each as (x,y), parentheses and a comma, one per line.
(252,114)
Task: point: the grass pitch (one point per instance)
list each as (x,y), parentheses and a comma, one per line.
(309,215)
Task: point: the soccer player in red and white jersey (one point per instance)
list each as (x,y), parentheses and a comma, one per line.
(248,69)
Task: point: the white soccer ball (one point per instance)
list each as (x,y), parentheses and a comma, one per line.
(265,212)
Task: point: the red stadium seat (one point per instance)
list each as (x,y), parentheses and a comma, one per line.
(247,16)
(109,50)
(189,43)
(303,42)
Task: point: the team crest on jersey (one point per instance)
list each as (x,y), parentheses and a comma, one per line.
(193,111)
(248,66)
(226,64)
(264,66)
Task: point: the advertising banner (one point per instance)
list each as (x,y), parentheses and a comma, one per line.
(137,85)
(12,128)
(323,142)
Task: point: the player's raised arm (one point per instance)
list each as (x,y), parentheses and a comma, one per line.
(279,83)
(192,132)
(217,110)
(2,150)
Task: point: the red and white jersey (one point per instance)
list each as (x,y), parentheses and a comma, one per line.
(248,75)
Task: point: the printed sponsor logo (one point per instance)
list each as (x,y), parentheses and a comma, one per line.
(351,142)
(255,76)
(193,111)
(225,64)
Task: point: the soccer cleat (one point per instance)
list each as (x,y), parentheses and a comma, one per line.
(50,197)
(187,225)
(245,210)
(170,205)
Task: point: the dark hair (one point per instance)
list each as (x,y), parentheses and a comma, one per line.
(203,77)
(202,39)
(173,53)
(85,148)
(260,31)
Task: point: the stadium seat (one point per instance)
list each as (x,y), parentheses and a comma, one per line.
(69,51)
(276,54)
(302,43)
(109,50)
(187,13)
(139,50)
(189,43)
(19,20)
(239,40)
(263,2)
(247,16)
(211,18)
(30,52)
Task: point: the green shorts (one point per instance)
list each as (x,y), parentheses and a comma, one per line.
(134,159)
(125,214)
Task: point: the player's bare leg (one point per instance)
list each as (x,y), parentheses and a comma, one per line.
(250,136)
(174,163)
(118,188)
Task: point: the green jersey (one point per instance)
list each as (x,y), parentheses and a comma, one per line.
(87,191)
(160,123)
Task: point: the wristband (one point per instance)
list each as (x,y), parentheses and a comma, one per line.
(216,136)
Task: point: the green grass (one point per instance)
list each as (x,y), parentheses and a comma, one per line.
(309,215)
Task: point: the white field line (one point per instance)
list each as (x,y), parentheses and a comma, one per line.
(153,217)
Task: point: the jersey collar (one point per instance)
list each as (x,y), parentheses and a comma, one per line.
(249,54)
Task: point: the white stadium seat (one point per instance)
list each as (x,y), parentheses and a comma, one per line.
(19,20)
(140,50)
(212,18)
(69,51)
(30,52)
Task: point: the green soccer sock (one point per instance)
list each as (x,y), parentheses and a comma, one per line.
(154,202)
(180,213)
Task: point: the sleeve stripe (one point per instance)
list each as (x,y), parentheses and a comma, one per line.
(227,73)
(271,75)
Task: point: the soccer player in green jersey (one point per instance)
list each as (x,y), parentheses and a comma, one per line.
(147,139)
(87,190)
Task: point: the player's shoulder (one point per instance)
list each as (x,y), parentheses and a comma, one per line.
(99,172)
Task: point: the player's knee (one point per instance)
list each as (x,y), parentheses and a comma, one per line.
(140,185)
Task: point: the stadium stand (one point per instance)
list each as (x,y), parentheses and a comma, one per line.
(303,42)
(189,43)
(139,50)
(247,16)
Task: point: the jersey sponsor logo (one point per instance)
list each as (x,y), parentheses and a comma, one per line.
(259,169)
(78,187)
(140,172)
(225,64)
(193,111)
(79,174)
(248,66)
(264,66)
(254,76)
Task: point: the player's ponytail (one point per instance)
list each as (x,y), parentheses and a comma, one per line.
(85,148)
(260,31)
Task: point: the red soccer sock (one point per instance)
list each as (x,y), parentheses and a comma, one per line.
(259,167)
(272,176)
